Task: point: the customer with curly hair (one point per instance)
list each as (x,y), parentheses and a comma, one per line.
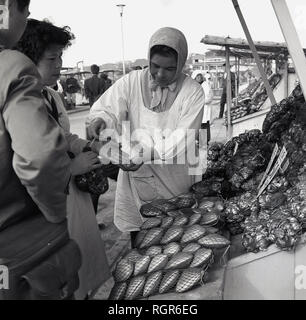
(44,44)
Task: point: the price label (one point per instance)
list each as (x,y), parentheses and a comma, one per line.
(236,148)
(272,174)
(275,151)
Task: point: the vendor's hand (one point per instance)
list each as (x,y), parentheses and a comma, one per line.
(84,162)
(96,146)
(95,127)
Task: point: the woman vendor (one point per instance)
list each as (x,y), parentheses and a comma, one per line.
(163,102)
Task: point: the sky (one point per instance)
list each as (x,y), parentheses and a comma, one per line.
(96,24)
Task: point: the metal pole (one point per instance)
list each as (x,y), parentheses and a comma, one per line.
(236,82)
(123,61)
(238,77)
(286,78)
(121,7)
(292,40)
(228,95)
(254,51)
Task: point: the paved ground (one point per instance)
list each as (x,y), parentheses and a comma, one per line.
(116,242)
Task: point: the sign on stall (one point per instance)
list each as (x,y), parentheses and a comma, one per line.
(274,154)
(277,166)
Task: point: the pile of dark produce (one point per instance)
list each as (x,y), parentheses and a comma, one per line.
(174,250)
(235,173)
(235,167)
(254,186)
(248,104)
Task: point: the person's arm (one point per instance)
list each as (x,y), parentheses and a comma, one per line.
(40,157)
(110,109)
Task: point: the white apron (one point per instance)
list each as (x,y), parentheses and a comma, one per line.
(122,102)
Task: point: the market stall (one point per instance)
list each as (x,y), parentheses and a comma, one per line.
(240,232)
(251,199)
(251,106)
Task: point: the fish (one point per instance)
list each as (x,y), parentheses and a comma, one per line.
(171,249)
(172,234)
(189,279)
(169,281)
(152,284)
(193,233)
(123,271)
(152,238)
(135,288)
(118,291)
(202,258)
(179,261)
(159,262)
(214,241)
(141,266)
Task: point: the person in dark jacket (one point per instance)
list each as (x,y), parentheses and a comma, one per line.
(94,86)
(34,167)
(224,92)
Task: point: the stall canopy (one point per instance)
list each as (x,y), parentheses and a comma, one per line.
(238,43)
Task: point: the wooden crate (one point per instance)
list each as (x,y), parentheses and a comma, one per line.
(269,275)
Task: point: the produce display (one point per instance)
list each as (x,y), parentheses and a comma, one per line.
(174,250)
(277,215)
(252,99)
(255,186)
(235,167)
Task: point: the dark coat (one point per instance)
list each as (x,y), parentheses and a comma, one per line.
(34,166)
(94,88)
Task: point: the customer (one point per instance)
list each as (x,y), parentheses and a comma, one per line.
(155,99)
(94,86)
(34,167)
(44,44)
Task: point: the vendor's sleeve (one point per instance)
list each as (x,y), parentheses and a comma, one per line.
(112,106)
(40,150)
(177,142)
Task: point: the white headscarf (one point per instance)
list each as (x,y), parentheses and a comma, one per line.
(157,98)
